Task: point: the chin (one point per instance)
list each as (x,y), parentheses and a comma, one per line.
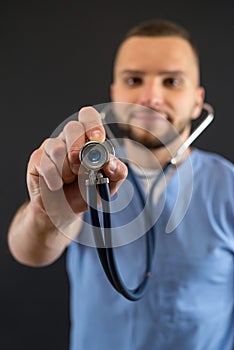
(147,139)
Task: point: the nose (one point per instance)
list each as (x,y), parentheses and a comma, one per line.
(151,94)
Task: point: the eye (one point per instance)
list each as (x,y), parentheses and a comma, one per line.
(133,81)
(173,82)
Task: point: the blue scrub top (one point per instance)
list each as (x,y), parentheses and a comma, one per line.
(189,304)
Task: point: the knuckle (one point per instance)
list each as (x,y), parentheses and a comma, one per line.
(48,168)
(57,150)
(74,133)
(35,156)
(70,126)
(73,155)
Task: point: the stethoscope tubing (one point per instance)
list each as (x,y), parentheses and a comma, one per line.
(103,239)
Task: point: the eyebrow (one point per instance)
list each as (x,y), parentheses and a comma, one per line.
(132,71)
(166,72)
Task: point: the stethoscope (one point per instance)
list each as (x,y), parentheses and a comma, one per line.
(94,156)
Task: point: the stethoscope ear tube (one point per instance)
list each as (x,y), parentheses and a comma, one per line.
(200,128)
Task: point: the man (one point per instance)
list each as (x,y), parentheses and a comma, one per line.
(189,304)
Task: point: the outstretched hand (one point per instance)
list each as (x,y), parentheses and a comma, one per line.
(56,163)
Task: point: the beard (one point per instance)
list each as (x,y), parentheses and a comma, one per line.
(148,137)
(145,126)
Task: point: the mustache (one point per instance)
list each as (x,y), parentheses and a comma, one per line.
(146,112)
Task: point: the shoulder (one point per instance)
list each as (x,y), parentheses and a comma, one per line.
(211,162)
(212,173)
(214,186)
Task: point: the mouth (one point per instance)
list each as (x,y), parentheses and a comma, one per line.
(143,116)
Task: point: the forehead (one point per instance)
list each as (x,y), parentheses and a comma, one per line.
(156,53)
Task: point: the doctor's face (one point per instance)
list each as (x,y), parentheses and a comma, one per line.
(157,78)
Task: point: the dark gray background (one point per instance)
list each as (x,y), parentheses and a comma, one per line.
(56,56)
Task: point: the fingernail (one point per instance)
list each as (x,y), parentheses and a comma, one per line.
(113,164)
(96,134)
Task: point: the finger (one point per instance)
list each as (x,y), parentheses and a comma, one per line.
(57,152)
(117,172)
(74,138)
(92,122)
(46,169)
(35,159)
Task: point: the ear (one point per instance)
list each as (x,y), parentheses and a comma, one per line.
(199,100)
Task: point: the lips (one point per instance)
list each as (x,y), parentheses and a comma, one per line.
(147,116)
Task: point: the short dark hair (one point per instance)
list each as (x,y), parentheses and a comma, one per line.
(161,28)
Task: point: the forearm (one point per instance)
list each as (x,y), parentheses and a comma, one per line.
(33,239)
